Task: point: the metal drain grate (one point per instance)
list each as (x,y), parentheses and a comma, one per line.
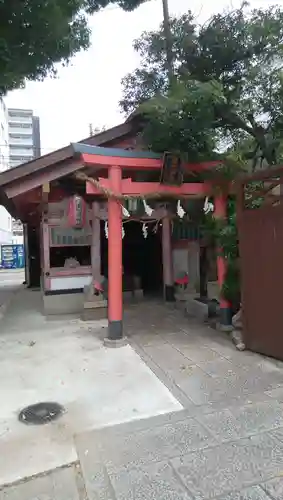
(41,413)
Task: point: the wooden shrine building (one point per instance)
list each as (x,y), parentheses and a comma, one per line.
(99,208)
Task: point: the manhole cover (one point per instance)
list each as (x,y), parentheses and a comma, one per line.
(41,413)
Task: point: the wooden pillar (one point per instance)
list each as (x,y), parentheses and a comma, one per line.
(46,256)
(220,212)
(45,239)
(167,260)
(33,237)
(95,242)
(115,295)
(25,234)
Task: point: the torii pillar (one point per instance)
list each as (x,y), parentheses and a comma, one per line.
(115,292)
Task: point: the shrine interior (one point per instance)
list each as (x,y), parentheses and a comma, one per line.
(59,255)
(142,257)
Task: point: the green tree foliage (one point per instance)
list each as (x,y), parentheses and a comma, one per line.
(226,100)
(37,34)
(228,89)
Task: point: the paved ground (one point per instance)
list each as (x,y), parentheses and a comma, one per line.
(9,282)
(64,360)
(226,444)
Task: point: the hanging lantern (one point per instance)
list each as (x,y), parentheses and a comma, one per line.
(77,212)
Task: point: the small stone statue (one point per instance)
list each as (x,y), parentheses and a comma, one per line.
(236,334)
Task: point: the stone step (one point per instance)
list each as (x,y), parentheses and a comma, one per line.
(95,304)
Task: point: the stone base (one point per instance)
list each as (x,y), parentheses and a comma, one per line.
(224,328)
(127,295)
(197,309)
(94,314)
(169,293)
(133,294)
(138,293)
(95,304)
(64,303)
(237,339)
(94,310)
(225,319)
(115,343)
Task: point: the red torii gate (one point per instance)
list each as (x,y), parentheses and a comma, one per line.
(116,161)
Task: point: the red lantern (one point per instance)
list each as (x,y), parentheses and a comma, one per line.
(77,212)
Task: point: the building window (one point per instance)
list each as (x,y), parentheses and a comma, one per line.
(21,159)
(20,113)
(25,147)
(69,236)
(24,137)
(20,125)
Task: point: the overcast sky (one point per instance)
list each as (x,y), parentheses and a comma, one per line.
(89,90)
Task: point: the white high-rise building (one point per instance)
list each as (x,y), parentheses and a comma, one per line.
(4,137)
(19,143)
(6,233)
(24,145)
(24,136)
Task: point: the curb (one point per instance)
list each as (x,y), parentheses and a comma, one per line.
(4,307)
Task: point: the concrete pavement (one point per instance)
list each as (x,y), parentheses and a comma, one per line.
(10,282)
(65,361)
(226,443)
(11,277)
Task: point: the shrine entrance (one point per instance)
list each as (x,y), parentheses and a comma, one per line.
(142,256)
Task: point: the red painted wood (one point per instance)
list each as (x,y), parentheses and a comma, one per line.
(119,161)
(115,295)
(140,163)
(46,255)
(144,188)
(95,242)
(47,284)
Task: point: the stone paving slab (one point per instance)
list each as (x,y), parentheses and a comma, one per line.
(274,488)
(243,421)
(253,493)
(276,394)
(157,443)
(215,471)
(204,389)
(118,466)
(157,481)
(235,451)
(167,357)
(58,485)
(116,461)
